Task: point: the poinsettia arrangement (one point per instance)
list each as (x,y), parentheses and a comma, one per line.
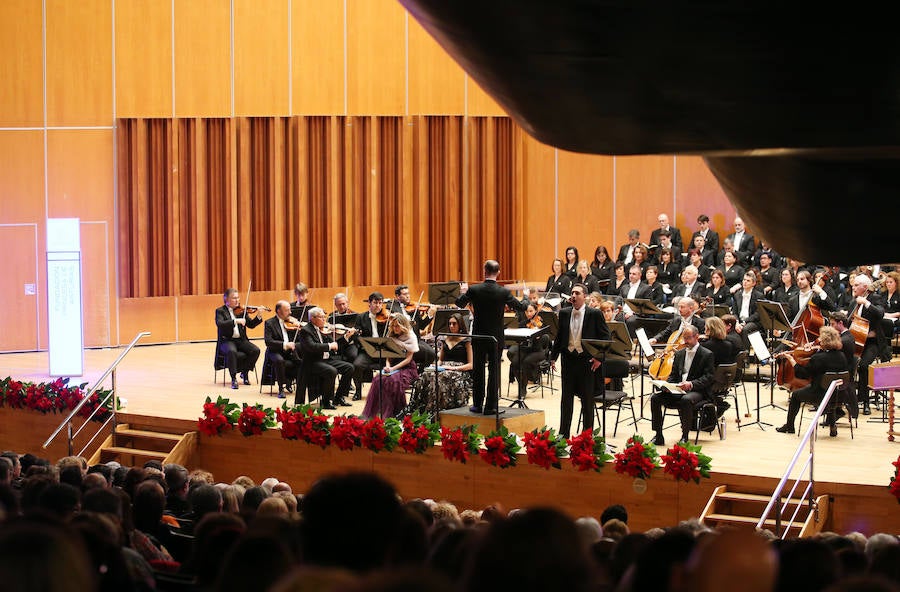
(544,447)
(637,459)
(895,482)
(255,419)
(218,417)
(460,443)
(419,433)
(53,397)
(587,451)
(500,448)
(380,434)
(346,431)
(685,462)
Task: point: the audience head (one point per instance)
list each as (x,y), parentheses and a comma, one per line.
(616,511)
(44,556)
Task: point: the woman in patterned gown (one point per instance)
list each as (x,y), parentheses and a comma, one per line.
(453,378)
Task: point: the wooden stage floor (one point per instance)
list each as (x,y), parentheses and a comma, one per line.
(174,380)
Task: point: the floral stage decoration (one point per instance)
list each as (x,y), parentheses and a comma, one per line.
(218,417)
(544,447)
(419,433)
(53,397)
(460,443)
(685,462)
(587,451)
(500,448)
(380,434)
(304,422)
(895,482)
(346,431)
(637,459)
(255,419)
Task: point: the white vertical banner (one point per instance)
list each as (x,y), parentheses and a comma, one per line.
(64,312)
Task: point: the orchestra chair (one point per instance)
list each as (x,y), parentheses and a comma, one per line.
(219,364)
(268,374)
(607,399)
(707,406)
(724,386)
(840,398)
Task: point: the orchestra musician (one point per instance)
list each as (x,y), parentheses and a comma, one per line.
(610,312)
(321,365)
(576,323)
(348,348)
(731,335)
(387,397)
(529,353)
(488,300)
(239,353)
(281,347)
(744,308)
(570,267)
(710,237)
(674,233)
(829,359)
(372,323)
(717,342)
(419,321)
(558,282)
(301,304)
(807,292)
(686,308)
(869,308)
(626,251)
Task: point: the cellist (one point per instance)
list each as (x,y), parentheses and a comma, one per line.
(808,292)
(686,308)
(868,307)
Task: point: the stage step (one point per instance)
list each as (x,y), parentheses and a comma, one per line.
(130,456)
(744,509)
(146,439)
(135,445)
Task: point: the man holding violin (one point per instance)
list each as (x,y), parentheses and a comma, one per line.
(320,363)
(232,322)
(280,333)
(372,323)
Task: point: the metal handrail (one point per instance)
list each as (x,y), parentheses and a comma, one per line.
(809,492)
(111,370)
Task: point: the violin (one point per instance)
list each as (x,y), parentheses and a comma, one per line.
(335,329)
(293,324)
(239,310)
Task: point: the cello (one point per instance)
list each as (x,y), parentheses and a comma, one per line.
(661,367)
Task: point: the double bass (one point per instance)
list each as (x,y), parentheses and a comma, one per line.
(810,320)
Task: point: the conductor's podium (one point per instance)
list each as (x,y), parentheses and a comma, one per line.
(515,419)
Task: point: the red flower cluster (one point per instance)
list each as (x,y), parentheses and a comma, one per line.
(418,434)
(51,397)
(685,463)
(253,420)
(314,428)
(216,418)
(346,431)
(290,422)
(459,443)
(500,449)
(637,459)
(587,451)
(544,448)
(379,434)
(895,482)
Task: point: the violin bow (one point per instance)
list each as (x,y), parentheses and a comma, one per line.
(249,285)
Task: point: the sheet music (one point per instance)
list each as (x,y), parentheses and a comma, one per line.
(645,342)
(759,347)
(523,333)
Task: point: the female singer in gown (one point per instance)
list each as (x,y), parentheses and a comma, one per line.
(387,395)
(602,266)
(559,282)
(454,380)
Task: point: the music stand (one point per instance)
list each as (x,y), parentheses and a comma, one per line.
(719,310)
(759,346)
(551,320)
(772,318)
(442,320)
(642,306)
(622,345)
(651,327)
(348,320)
(522,337)
(381,348)
(598,349)
(443,293)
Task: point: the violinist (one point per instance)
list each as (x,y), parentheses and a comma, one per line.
(419,321)
(281,346)
(840,323)
(372,323)
(232,323)
(528,353)
(321,365)
(301,304)
(717,342)
(559,282)
(348,349)
(868,307)
(807,292)
(686,309)
(829,359)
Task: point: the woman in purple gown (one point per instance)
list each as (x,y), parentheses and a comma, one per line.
(387,395)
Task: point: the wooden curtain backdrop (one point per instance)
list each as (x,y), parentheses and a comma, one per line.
(331,201)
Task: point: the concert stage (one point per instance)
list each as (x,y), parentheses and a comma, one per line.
(167,384)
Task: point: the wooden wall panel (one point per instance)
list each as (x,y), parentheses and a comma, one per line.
(21,64)
(97,264)
(21,176)
(585,204)
(203,56)
(376,54)
(79,62)
(539,207)
(317,55)
(261,58)
(19,331)
(479,103)
(436,82)
(143,58)
(697,192)
(157,315)
(644,189)
(80,174)
(196,316)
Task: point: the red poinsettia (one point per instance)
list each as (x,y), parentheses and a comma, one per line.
(53,397)
(544,448)
(315,429)
(895,482)
(12,393)
(346,431)
(255,419)
(419,434)
(685,462)
(379,434)
(218,417)
(500,449)
(587,451)
(638,459)
(459,443)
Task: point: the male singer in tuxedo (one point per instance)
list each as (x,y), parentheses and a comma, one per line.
(240,355)
(488,300)
(281,347)
(321,365)
(692,370)
(578,367)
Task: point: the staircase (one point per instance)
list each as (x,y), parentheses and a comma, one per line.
(137,442)
(744,509)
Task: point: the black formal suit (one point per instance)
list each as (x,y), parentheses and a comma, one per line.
(643,290)
(321,366)
(623,252)
(751,322)
(733,275)
(677,243)
(603,272)
(669,273)
(696,291)
(577,376)
(362,363)
(784,295)
(656,294)
(285,362)
(240,354)
(873,313)
(746,248)
(712,240)
(720,297)
(488,301)
(723,350)
(771,278)
(348,349)
(891,303)
(700,375)
(794,309)
(675,324)
(819,363)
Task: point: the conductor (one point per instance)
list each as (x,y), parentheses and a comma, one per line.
(488,300)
